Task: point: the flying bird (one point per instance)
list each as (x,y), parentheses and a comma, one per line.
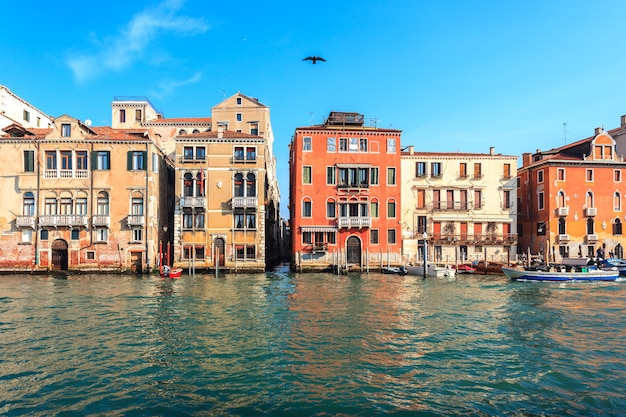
(314,59)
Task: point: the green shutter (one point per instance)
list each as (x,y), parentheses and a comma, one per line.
(94,160)
(129,160)
(144,156)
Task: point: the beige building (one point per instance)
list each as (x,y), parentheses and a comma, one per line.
(219,221)
(83,198)
(463,203)
(17,112)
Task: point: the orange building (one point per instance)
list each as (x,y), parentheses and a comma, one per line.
(345,195)
(571,199)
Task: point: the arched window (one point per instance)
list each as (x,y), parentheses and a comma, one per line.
(29,204)
(560,199)
(617,226)
(251,185)
(182,132)
(391,208)
(239,188)
(590,226)
(81,203)
(589,199)
(617,201)
(331,208)
(195,131)
(307,207)
(66,204)
(103,203)
(374,208)
(188,184)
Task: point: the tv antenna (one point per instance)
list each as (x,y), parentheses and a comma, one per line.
(565,133)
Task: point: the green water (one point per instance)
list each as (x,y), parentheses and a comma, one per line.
(310,344)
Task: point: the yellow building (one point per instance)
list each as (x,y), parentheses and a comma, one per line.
(219,218)
(77,197)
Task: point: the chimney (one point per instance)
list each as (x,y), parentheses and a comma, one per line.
(527,158)
(492,150)
(411,151)
(597,131)
(623,121)
(220,132)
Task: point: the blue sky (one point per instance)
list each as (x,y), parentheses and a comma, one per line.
(452,75)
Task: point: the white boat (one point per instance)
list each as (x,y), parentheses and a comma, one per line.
(563,274)
(433,270)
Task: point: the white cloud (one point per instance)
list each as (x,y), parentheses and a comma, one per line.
(122,49)
(166,87)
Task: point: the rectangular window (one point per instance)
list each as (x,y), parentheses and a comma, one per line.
(560,174)
(238,100)
(81,160)
(420,169)
(391,176)
(540,202)
(539,176)
(463,170)
(353,144)
(66,130)
(421,199)
(589,176)
(478,199)
(478,170)
(29,161)
(617,175)
(506,199)
(391,209)
(307,238)
(102,234)
(188,153)
(44,234)
(331,145)
(374,176)
(506,171)
(363,145)
(254,129)
(137,160)
(391,236)
(27,235)
(137,234)
(90,255)
(331,176)
(66,160)
(138,118)
(391,145)
(81,206)
(239,117)
(101,160)
(343,144)
(307,144)
(374,236)
(122,116)
(435,169)
(306,175)
(200,153)
(27,115)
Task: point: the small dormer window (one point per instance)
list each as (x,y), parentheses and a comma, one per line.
(66,130)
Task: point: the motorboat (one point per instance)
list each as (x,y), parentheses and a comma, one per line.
(166,272)
(397,270)
(560,273)
(465,269)
(611,263)
(433,270)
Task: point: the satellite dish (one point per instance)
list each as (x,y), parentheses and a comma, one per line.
(88,122)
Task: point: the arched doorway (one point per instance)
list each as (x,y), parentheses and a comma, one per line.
(59,255)
(218,259)
(353,250)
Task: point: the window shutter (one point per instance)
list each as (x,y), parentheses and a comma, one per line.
(129,160)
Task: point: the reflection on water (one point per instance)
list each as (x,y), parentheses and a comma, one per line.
(301,344)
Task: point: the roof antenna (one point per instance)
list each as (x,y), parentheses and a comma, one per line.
(564,133)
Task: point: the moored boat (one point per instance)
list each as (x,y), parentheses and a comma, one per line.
(562,274)
(166,272)
(433,270)
(395,270)
(465,269)
(610,263)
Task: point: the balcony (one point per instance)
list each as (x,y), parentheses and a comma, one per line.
(100,220)
(591,212)
(135,220)
(65,173)
(63,220)
(320,248)
(354,222)
(244,202)
(591,239)
(193,202)
(451,205)
(562,211)
(478,239)
(26,221)
(562,238)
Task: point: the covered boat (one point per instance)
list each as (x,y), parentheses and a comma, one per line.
(433,270)
(562,274)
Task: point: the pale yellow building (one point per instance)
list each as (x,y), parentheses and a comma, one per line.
(462,203)
(78,197)
(219,220)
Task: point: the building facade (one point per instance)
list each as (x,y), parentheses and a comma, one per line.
(219,218)
(82,198)
(344,198)
(463,204)
(571,199)
(17,112)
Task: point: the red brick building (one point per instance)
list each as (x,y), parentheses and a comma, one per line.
(344,197)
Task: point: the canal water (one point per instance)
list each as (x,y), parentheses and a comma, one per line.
(310,344)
